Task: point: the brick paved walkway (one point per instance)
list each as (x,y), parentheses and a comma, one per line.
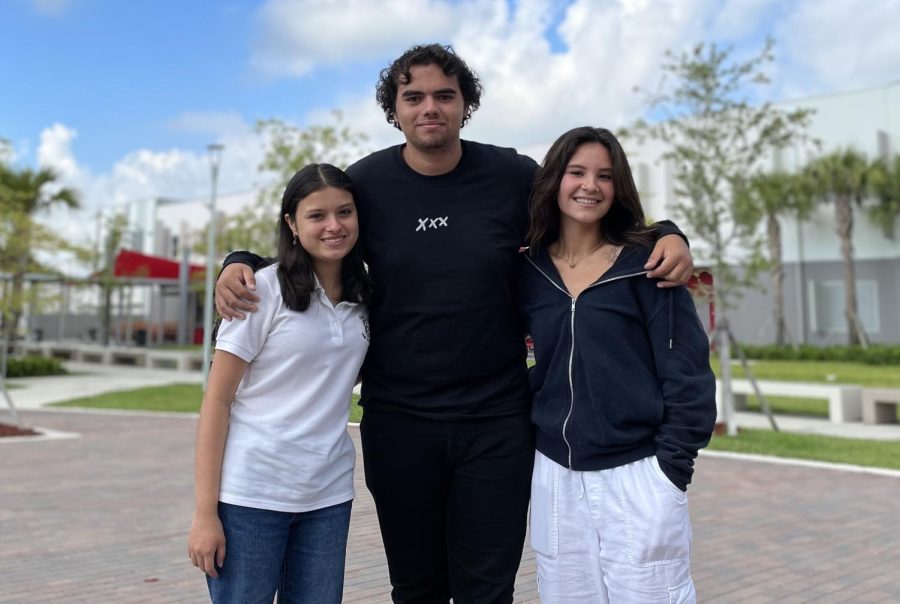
(103,519)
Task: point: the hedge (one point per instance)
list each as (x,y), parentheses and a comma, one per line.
(875,354)
(33,366)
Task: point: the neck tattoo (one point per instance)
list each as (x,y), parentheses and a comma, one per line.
(609,255)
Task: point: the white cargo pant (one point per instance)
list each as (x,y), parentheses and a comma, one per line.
(618,536)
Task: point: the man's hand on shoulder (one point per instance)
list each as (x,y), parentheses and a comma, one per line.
(670,261)
(235,291)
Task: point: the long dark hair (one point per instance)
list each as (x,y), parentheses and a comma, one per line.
(624,223)
(295,266)
(427,54)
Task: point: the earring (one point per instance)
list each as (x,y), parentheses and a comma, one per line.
(295,239)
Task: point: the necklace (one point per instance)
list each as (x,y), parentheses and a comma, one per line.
(589,252)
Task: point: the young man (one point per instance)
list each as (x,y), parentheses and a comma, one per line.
(447,441)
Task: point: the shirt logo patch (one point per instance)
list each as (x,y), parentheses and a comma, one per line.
(365,324)
(431,223)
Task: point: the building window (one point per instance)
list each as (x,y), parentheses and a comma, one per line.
(826,306)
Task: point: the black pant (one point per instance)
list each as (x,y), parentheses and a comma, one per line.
(452,502)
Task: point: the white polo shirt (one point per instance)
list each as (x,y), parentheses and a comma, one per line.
(288,449)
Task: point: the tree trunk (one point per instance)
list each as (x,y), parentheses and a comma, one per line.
(774,230)
(106,314)
(15,311)
(843,215)
(727,394)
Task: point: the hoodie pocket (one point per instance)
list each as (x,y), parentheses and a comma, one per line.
(654,461)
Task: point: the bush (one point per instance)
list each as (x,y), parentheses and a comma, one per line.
(876,354)
(33,366)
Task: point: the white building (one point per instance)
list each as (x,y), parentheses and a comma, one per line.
(867,120)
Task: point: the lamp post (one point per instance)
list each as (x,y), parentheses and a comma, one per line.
(215,156)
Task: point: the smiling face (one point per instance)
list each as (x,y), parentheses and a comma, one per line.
(586,191)
(325,224)
(430,109)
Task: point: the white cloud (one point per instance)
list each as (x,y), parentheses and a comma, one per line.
(138,176)
(7,152)
(294,36)
(739,18)
(840,44)
(533,94)
(55,151)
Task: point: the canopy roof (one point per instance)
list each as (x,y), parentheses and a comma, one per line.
(143,266)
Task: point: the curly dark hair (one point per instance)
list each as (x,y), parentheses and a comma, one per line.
(427,54)
(295,267)
(624,223)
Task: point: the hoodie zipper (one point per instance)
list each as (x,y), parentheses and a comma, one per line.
(572,338)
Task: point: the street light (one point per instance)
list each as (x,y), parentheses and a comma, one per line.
(215,156)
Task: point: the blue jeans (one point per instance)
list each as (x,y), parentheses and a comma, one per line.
(299,555)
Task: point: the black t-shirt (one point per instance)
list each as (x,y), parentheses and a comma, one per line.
(446,339)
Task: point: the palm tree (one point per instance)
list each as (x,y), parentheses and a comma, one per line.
(843,177)
(768,197)
(115,232)
(24,194)
(886,187)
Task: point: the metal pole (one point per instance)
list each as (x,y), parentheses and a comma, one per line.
(183,272)
(3,390)
(801,282)
(215,155)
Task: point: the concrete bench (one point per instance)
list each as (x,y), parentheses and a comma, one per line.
(879,405)
(844,400)
(166,359)
(135,356)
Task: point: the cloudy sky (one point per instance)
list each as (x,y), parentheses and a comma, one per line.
(123,97)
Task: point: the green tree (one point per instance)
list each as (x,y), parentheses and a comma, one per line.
(844,178)
(287,149)
(115,232)
(24,195)
(767,197)
(716,140)
(886,188)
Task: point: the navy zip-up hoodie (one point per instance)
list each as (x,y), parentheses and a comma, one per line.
(622,372)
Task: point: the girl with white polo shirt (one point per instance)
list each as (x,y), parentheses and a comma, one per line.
(274,463)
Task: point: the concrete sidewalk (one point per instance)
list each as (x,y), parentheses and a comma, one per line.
(90,379)
(87,379)
(103,518)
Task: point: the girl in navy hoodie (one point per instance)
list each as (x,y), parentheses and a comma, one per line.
(623,393)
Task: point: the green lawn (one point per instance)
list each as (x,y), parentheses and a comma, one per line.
(187,397)
(879,454)
(175,397)
(825,372)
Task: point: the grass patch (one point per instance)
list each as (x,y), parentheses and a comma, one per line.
(788,405)
(883,454)
(355,410)
(179,398)
(824,372)
(817,372)
(180,347)
(873,453)
(185,398)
